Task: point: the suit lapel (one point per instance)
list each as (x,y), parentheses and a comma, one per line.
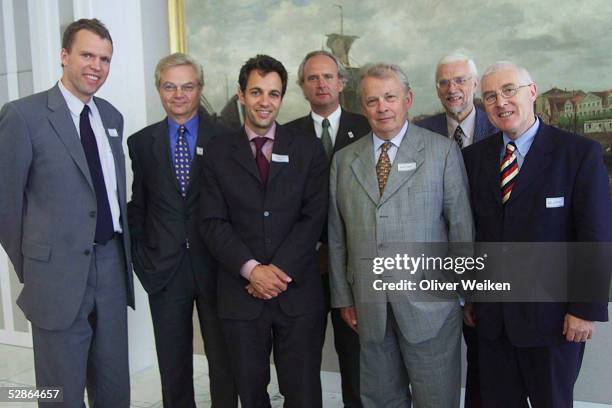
(342,137)
(536,161)
(243,155)
(282,146)
(63,124)
(409,152)
(161,152)
(364,168)
(205,134)
(109,122)
(482,126)
(490,167)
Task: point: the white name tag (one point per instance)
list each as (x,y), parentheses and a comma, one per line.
(113,132)
(555,202)
(280,158)
(351,135)
(199,150)
(406,166)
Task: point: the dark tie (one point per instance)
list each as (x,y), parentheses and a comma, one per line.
(458,136)
(328,146)
(104,219)
(260,159)
(383,167)
(182,160)
(509,170)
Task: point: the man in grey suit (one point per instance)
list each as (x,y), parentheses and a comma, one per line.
(63,215)
(400,184)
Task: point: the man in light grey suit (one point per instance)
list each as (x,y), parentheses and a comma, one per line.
(63,217)
(398,186)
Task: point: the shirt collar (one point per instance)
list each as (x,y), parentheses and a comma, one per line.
(467,125)
(191,125)
(524,141)
(334,118)
(75,105)
(395,140)
(269,134)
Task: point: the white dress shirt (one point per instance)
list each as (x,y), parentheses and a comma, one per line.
(395,143)
(468,126)
(334,124)
(75,106)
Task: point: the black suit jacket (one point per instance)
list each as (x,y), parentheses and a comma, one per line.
(277,224)
(558,164)
(352,127)
(438,124)
(161,220)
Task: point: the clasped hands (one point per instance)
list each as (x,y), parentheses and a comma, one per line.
(267,282)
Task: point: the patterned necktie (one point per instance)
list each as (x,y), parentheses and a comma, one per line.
(328,146)
(509,170)
(104,219)
(260,159)
(458,136)
(383,167)
(182,160)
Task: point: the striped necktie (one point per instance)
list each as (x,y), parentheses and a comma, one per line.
(458,136)
(509,170)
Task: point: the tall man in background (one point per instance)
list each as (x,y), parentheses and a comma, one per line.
(64,224)
(322,77)
(169,255)
(264,202)
(462,121)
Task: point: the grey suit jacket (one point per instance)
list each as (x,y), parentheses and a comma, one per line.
(427,201)
(48,204)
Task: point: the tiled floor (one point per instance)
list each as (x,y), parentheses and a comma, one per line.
(16,369)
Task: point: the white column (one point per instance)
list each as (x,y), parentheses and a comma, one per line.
(45,43)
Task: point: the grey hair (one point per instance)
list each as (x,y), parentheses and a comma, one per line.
(383,70)
(341,69)
(175,60)
(457,57)
(523,74)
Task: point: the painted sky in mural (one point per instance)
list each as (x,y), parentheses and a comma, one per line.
(563,43)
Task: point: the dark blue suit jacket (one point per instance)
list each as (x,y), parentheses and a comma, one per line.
(558,164)
(437,123)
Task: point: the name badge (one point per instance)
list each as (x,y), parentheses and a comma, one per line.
(555,202)
(406,166)
(113,132)
(280,158)
(199,150)
(351,135)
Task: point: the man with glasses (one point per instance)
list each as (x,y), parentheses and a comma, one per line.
(462,121)
(169,255)
(534,183)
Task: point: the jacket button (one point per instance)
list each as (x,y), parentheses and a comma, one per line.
(92,214)
(266,213)
(268,241)
(87,252)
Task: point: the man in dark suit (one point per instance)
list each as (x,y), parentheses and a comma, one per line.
(456,83)
(322,77)
(534,183)
(63,218)
(170,258)
(263,209)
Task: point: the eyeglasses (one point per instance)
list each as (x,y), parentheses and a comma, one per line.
(506,92)
(186,88)
(446,83)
